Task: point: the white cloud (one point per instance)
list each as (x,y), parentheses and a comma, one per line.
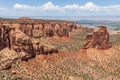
(69,9)
(22,6)
(50,6)
(44,7)
(89,6)
(3,9)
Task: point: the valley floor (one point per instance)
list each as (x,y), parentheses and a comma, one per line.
(88,64)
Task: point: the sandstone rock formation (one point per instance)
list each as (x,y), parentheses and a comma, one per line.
(2,44)
(21,35)
(40,28)
(7,35)
(19,38)
(37,28)
(47,29)
(7,57)
(29,46)
(98,39)
(21,43)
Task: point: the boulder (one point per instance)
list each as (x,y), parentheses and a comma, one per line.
(7,57)
(98,39)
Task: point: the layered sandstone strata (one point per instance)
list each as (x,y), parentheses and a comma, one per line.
(20,34)
(20,42)
(98,39)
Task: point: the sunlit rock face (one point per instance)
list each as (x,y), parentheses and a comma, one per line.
(20,42)
(38,30)
(22,35)
(98,39)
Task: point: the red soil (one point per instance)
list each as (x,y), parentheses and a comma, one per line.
(62,39)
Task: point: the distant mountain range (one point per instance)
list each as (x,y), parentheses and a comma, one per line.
(72,18)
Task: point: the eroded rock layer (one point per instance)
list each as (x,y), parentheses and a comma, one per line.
(41,28)
(98,39)
(21,35)
(18,41)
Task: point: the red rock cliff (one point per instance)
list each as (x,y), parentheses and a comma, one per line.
(98,39)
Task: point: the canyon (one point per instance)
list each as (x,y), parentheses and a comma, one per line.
(21,35)
(54,49)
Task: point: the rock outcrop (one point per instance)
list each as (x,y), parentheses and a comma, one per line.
(20,38)
(18,41)
(2,44)
(98,39)
(21,35)
(7,57)
(7,35)
(41,28)
(38,30)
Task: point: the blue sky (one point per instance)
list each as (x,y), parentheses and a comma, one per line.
(59,7)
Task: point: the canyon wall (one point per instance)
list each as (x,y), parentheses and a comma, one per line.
(21,35)
(43,29)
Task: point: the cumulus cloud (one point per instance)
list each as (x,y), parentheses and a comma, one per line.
(89,6)
(22,6)
(71,7)
(45,7)
(50,6)
(50,9)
